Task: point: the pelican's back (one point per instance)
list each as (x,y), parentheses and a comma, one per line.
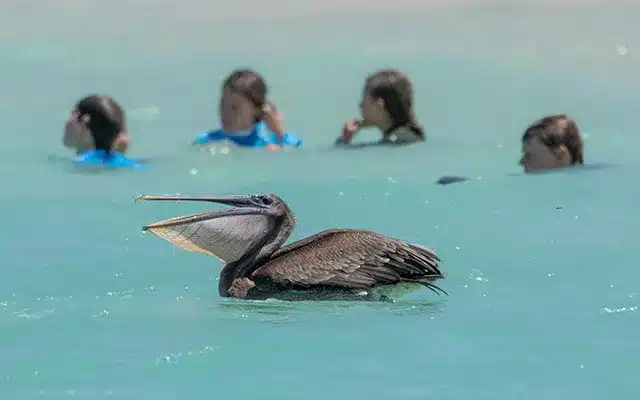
(349,259)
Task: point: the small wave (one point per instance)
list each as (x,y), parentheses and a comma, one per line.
(278,312)
(43,307)
(620,309)
(175,357)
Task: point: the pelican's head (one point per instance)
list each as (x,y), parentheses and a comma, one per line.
(227,234)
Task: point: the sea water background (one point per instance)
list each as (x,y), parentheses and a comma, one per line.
(542,270)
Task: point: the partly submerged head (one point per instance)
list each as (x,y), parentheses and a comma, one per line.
(551,142)
(243,99)
(387,101)
(227,234)
(98,119)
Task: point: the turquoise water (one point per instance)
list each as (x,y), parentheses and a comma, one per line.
(541,270)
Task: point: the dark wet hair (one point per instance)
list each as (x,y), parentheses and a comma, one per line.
(106,119)
(396,90)
(558,130)
(250,85)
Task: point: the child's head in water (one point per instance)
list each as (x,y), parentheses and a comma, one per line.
(387,103)
(243,100)
(387,100)
(243,103)
(96,123)
(551,142)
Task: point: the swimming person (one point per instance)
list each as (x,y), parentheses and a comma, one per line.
(247,118)
(387,104)
(101,120)
(552,142)
(77,136)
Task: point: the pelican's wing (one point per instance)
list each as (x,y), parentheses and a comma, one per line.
(350,259)
(227,234)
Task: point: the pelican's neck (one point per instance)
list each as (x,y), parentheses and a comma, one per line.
(244,267)
(285,223)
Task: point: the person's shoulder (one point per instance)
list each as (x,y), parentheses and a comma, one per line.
(402,135)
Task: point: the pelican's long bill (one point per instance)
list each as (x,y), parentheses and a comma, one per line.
(235,201)
(226,234)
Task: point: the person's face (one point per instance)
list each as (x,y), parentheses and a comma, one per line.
(237,113)
(77,128)
(538,157)
(373,111)
(78,119)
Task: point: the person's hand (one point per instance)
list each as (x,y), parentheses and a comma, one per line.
(273,147)
(349,130)
(121,144)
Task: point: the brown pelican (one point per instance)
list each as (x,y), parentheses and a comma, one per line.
(338,264)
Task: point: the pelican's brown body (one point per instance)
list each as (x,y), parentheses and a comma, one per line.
(338,264)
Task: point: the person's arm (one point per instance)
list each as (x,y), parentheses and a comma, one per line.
(274,121)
